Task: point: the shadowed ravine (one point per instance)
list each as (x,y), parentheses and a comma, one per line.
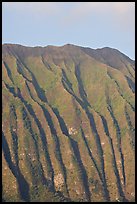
(114,158)
(22,183)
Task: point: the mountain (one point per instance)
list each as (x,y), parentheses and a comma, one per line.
(68,124)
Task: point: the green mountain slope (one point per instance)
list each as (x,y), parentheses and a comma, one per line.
(68,124)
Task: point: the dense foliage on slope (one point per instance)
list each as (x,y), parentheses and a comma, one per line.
(68,124)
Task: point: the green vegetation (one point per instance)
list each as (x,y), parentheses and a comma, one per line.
(68,122)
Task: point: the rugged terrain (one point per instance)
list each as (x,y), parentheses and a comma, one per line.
(68,124)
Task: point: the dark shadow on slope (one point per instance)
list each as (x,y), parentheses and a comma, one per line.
(131,129)
(129,120)
(46,63)
(8,71)
(84,104)
(11,89)
(70,91)
(28,125)
(57,144)
(43,140)
(128,68)
(22,183)
(100,152)
(90,154)
(76,153)
(20,70)
(81,167)
(36,169)
(118,132)
(120,92)
(68,86)
(61,122)
(66,80)
(13,130)
(62,198)
(39,90)
(15,145)
(53,131)
(30,93)
(103,180)
(44,143)
(81,86)
(131,84)
(93,128)
(105,126)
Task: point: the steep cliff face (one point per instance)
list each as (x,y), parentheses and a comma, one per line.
(68,124)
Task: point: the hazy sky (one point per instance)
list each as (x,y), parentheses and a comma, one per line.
(89,24)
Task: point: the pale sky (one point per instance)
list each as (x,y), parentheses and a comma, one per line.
(87,24)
